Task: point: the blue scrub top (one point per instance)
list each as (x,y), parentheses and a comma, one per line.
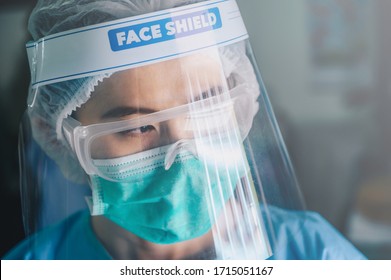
(300,235)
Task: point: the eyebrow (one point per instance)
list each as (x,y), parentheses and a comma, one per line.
(121,111)
(212,91)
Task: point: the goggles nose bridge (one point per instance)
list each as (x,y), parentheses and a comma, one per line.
(175,148)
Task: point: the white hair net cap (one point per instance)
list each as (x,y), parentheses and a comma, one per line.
(54,102)
(53,16)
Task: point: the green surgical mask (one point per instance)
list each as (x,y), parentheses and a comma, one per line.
(166,195)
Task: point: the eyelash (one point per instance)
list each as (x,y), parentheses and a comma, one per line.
(149,128)
(140,130)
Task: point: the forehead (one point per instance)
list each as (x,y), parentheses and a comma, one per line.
(157,86)
(174,78)
(197,68)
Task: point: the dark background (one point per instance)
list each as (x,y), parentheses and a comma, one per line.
(13,91)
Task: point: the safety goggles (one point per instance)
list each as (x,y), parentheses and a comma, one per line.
(211,120)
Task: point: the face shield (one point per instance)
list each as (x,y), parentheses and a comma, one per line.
(162,124)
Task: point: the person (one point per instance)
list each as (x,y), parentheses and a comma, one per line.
(159,107)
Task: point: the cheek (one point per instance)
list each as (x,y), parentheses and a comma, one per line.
(119,145)
(111,146)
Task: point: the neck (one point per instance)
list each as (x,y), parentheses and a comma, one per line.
(122,244)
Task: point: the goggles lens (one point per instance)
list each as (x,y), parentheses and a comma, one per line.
(204,125)
(139,136)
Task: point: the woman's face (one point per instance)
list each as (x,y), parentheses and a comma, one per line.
(140,91)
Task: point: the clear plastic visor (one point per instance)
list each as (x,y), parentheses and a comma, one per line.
(196,131)
(166,117)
